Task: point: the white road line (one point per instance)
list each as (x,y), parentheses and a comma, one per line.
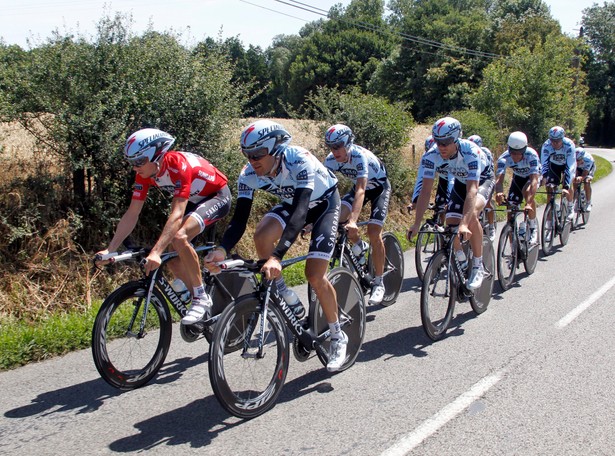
(433,424)
(578,310)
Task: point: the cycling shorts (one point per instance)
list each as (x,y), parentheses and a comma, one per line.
(211,208)
(554,174)
(458,196)
(515,192)
(591,172)
(379,198)
(324,217)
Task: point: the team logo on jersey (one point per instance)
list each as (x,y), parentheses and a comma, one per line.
(302,176)
(427,164)
(473,166)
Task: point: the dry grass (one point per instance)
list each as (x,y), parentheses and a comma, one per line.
(57,277)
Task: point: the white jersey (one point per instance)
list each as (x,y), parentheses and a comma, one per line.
(565,156)
(442,171)
(361,163)
(298,169)
(528,165)
(587,164)
(470,163)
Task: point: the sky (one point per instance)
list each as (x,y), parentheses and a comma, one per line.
(254,22)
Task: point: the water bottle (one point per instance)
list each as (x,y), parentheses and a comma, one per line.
(359,250)
(293,301)
(522,229)
(182,291)
(461,258)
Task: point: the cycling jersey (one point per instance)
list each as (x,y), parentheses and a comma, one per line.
(298,169)
(445,183)
(361,163)
(470,163)
(525,167)
(588,164)
(184,175)
(562,158)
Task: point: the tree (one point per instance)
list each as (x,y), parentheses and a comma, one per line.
(598,26)
(90,95)
(532,90)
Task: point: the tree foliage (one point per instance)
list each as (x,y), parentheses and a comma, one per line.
(599,30)
(90,95)
(533,90)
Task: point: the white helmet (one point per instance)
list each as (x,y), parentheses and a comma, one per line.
(149,143)
(264,134)
(429,142)
(517,140)
(557,133)
(446,130)
(339,135)
(580,153)
(476,140)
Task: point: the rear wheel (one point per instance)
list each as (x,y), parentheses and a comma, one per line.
(428,242)
(351,314)
(548,229)
(438,296)
(564,235)
(130,343)
(482,296)
(246,376)
(507,257)
(393,268)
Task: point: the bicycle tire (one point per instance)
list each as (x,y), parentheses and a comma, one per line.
(566,224)
(125,359)
(351,311)
(481,298)
(507,257)
(246,384)
(547,235)
(578,216)
(428,242)
(531,257)
(393,268)
(438,295)
(585,212)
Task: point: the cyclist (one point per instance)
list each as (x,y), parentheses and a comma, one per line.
(200,198)
(473,187)
(489,207)
(309,195)
(557,157)
(525,166)
(371,183)
(445,182)
(586,167)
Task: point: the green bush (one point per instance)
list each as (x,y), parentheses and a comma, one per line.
(378,125)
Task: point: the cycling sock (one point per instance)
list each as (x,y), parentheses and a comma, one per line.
(336,330)
(477,261)
(378,280)
(532,223)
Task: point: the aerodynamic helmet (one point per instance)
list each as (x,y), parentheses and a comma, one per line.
(149,143)
(264,134)
(446,130)
(339,135)
(476,140)
(517,140)
(557,133)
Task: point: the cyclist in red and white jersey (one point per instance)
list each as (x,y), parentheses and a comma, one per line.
(200,198)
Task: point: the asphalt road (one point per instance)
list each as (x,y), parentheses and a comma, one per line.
(532,375)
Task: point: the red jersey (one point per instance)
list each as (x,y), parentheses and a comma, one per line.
(184,175)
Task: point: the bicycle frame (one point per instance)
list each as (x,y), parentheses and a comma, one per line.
(342,245)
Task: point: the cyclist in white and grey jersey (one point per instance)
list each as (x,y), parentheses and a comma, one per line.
(309,196)
(586,167)
(474,181)
(558,157)
(525,165)
(371,184)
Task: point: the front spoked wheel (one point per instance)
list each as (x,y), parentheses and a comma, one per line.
(248,358)
(548,229)
(507,257)
(351,314)
(482,296)
(130,340)
(393,268)
(438,296)
(428,242)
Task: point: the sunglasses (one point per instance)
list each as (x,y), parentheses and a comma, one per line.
(255,155)
(445,142)
(517,151)
(337,146)
(138,162)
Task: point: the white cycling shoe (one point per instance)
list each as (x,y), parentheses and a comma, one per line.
(337,353)
(377,294)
